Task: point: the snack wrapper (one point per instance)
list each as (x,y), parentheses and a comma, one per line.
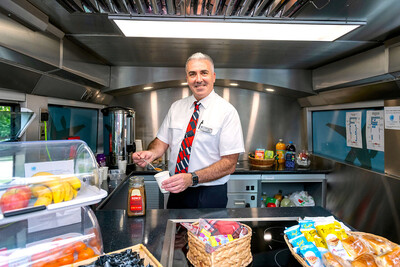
(292,231)
(311,255)
(328,232)
(299,241)
(194,229)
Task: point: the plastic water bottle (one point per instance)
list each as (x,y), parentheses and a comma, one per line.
(290,156)
(263,199)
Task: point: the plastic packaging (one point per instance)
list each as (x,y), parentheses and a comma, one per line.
(280,151)
(290,155)
(263,200)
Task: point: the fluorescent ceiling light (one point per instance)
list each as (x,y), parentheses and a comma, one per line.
(147,88)
(269,89)
(235,30)
(233,84)
(184,83)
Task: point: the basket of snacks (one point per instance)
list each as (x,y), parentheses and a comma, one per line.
(327,242)
(261,163)
(211,245)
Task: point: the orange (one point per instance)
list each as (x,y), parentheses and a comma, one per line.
(85,254)
(66,259)
(78,246)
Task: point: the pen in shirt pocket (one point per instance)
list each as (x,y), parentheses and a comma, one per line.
(200,124)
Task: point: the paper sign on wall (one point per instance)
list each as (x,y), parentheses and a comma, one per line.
(353,129)
(392,118)
(375,130)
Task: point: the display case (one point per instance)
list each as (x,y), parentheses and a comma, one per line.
(57,238)
(46,176)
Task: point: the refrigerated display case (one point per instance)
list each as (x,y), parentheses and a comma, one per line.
(45,188)
(55,239)
(44,176)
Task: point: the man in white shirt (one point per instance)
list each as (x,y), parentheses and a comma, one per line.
(214,148)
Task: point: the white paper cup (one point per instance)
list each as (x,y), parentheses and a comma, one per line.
(122,166)
(103,171)
(160,177)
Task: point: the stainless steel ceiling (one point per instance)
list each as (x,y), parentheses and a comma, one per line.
(100,36)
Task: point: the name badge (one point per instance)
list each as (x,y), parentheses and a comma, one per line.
(205,129)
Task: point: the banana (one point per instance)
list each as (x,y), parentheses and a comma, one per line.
(73,181)
(43,200)
(43,194)
(56,188)
(75,192)
(68,191)
(41,190)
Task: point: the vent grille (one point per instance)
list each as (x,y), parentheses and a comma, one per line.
(186,8)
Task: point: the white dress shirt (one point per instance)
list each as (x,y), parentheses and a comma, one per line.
(219,132)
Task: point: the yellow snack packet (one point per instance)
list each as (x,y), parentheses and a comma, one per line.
(328,232)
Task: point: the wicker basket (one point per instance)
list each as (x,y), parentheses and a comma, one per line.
(234,253)
(261,163)
(303,262)
(297,256)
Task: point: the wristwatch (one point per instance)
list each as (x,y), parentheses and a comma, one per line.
(195,179)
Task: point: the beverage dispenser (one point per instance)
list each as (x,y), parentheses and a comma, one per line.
(119,134)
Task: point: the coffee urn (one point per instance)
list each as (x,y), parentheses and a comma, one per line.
(119,134)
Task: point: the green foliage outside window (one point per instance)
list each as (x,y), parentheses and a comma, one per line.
(5,123)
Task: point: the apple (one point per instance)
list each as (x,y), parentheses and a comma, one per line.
(16,197)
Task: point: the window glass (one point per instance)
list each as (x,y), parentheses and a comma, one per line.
(71,122)
(5,123)
(329,140)
(6,162)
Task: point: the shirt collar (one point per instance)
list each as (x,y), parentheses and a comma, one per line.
(205,102)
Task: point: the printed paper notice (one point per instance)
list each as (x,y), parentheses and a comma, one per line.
(53,167)
(375,130)
(353,129)
(392,118)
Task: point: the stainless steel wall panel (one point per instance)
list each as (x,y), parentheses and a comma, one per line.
(50,86)
(264,117)
(366,200)
(23,40)
(394,59)
(365,65)
(81,63)
(294,79)
(392,142)
(15,78)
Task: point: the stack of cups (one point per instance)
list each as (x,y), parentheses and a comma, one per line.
(122,166)
(103,172)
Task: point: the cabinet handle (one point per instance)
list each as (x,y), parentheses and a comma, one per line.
(240,202)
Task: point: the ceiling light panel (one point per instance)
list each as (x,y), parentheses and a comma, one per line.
(235,30)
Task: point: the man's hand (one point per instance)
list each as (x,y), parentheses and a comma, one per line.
(178,182)
(155,150)
(138,157)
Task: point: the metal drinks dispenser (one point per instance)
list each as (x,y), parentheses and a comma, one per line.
(119,134)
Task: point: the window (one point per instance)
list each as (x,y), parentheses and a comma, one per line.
(71,122)
(6,134)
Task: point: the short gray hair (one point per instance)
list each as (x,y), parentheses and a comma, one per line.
(200,56)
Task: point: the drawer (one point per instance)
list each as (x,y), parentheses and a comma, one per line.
(243,186)
(238,200)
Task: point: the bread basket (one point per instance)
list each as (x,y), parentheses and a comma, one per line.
(236,253)
(261,163)
(304,263)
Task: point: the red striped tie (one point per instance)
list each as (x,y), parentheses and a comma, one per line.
(182,162)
